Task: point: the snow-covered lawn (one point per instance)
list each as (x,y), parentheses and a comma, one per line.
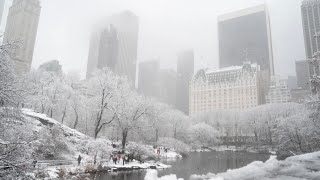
(305,166)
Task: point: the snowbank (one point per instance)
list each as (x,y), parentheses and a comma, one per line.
(153,175)
(305,166)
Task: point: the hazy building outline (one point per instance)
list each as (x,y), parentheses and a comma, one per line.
(278,91)
(122,29)
(148,78)
(303,74)
(185,71)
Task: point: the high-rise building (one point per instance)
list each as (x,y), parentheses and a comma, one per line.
(232,88)
(157,83)
(310,11)
(303,74)
(185,70)
(246,34)
(22,26)
(278,91)
(114,45)
(168,86)
(148,82)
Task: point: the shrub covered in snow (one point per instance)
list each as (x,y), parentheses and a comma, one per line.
(141,151)
(203,135)
(51,143)
(100,148)
(15,147)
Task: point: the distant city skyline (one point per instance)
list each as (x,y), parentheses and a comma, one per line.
(161,34)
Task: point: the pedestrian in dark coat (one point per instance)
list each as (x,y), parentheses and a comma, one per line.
(79,160)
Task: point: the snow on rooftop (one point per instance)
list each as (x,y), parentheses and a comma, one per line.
(231,68)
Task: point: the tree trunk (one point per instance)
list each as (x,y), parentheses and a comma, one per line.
(76,122)
(64,114)
(96,129)
(124,138)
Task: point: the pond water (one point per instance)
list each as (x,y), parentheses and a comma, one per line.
(194,163)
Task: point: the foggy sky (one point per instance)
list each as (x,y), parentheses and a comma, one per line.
(166,27)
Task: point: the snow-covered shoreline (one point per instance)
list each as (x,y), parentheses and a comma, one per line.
(306,166)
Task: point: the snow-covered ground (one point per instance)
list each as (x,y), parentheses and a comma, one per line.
(305,166)
(81,144)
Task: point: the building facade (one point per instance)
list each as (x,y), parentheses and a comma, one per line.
(114,45)
(233,88)
(303,74)
(310,11)
(246,34)
(185,71)
(278,91)
(22,26)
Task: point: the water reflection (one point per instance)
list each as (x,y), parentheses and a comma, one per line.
(195,163)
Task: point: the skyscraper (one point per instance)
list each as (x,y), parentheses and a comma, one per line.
(114,45)
(310,10)
(22,26)
(168,86)
(185,70)
(148,83)
(245,34)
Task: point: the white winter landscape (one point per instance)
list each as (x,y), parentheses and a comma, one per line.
(159,90)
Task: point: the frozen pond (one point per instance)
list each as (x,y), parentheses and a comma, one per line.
(195,163)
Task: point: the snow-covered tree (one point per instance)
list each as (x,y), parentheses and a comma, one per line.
(130,112)
(104,87)
(157,117)
(178,122)
(203,135)
(10,91)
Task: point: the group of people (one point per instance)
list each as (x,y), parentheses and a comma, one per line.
(126,158)
(161,148)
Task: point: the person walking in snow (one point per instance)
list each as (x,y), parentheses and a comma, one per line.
(114,158)
(34,163)
(119,157)
(158,151)
(79,159)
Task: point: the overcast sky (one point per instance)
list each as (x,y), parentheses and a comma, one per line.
(166,27)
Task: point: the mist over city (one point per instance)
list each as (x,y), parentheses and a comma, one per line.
(160,89)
